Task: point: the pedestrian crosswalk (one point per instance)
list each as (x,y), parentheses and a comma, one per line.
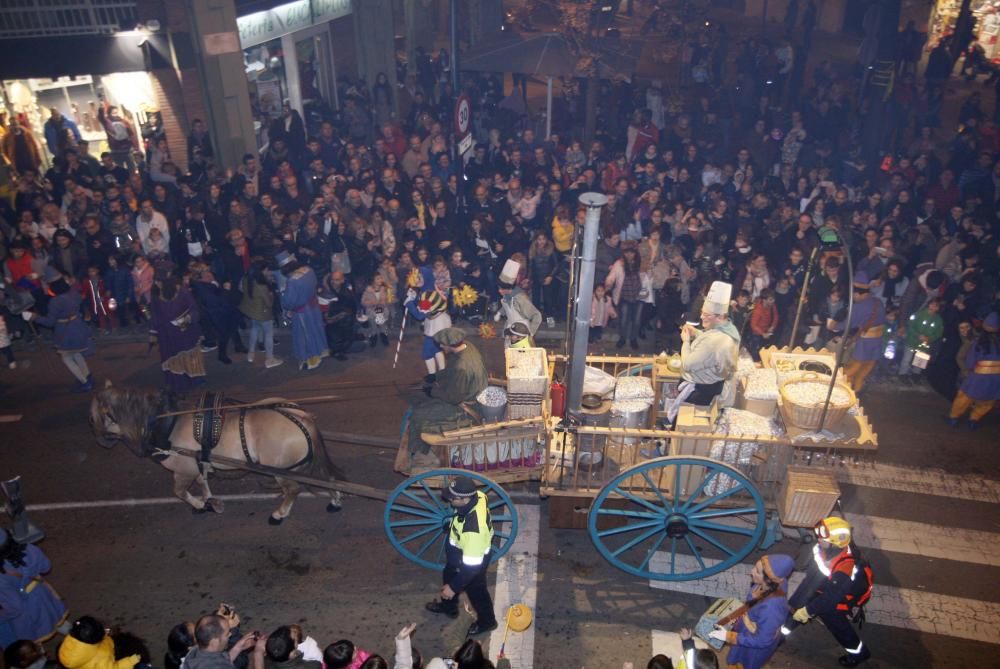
(923,481)
(906,606)
(896,607)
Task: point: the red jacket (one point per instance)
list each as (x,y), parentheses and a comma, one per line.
(764,319)
(20,272)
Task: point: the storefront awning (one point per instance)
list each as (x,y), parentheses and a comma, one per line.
(51,57)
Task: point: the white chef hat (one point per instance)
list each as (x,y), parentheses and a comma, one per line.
(508,275)
(717,300)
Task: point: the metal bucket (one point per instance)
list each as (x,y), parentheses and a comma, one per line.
(492,414)
(629,414)
(590,448)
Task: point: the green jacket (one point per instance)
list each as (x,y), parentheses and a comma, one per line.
(258,307)
(926,324)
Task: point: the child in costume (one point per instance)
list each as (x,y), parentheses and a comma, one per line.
(431,309)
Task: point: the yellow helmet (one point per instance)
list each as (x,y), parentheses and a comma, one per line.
(834,529)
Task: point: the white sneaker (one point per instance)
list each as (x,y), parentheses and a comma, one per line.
(273,362)
(13,365)
(250,356)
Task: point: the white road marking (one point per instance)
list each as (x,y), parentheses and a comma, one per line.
(923,481)
(895,607)
(933,541)
(517,583)
(669,644)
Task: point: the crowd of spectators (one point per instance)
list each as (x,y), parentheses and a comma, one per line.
(741,178)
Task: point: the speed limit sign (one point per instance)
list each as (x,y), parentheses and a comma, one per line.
(463,116)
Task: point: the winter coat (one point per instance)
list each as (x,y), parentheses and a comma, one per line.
(562,234)
(260,305)
(74,654)
(764,318)
(601,311)
(142,283)
(923,324)
(71,334)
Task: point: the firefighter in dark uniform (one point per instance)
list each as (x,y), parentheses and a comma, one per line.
(836,586)
(470,540)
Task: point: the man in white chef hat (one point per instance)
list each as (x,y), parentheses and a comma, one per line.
(708,356)
(516,305)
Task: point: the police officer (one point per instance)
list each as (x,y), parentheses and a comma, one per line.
(470,539)
(838,581)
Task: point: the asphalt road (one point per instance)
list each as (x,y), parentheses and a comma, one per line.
(146,567)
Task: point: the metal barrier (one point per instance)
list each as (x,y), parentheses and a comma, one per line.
(42,18)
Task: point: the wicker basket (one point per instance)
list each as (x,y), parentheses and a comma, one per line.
(807,417)
(527,381)
(806,497)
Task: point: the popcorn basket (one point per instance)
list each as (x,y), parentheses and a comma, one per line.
(804,396)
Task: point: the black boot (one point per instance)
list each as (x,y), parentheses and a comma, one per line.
(621,343)
(223,357)
(385,339)
(854,659)
(372,340)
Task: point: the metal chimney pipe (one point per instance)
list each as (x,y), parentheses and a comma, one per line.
(594,202)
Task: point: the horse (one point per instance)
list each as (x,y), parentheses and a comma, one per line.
(274,432)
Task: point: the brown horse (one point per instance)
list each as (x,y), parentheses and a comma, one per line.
(278,434)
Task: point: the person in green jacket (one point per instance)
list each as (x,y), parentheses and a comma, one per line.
(919,333)
(257,304)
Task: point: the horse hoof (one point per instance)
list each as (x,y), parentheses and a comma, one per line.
(271,520)
(198,512)
(333,508)
(215,505)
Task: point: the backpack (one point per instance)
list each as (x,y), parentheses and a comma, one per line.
(862,578)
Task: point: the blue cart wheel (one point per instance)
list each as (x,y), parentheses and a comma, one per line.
(416,517)
(677,519)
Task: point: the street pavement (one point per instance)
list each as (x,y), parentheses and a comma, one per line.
(124,550)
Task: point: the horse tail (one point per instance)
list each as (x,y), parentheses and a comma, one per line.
(320,465)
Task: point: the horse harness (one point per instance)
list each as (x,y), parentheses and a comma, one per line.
(208,423)
(207,427)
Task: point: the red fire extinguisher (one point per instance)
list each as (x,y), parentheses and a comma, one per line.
(557,395)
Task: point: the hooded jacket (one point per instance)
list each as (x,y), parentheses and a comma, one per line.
(75,654)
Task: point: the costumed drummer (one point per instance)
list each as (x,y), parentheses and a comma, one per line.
(458,384)
(516,305)
(837,585)
(868,327)
(470,539)
(757,632)
(708,356)
(981,388)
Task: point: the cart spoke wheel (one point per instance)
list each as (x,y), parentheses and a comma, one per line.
(416,518)
(712,515)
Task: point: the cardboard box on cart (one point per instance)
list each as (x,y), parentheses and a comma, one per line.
(696,420)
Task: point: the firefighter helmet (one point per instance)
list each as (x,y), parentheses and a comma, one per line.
(835,530)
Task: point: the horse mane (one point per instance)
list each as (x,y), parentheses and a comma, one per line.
(132,410)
